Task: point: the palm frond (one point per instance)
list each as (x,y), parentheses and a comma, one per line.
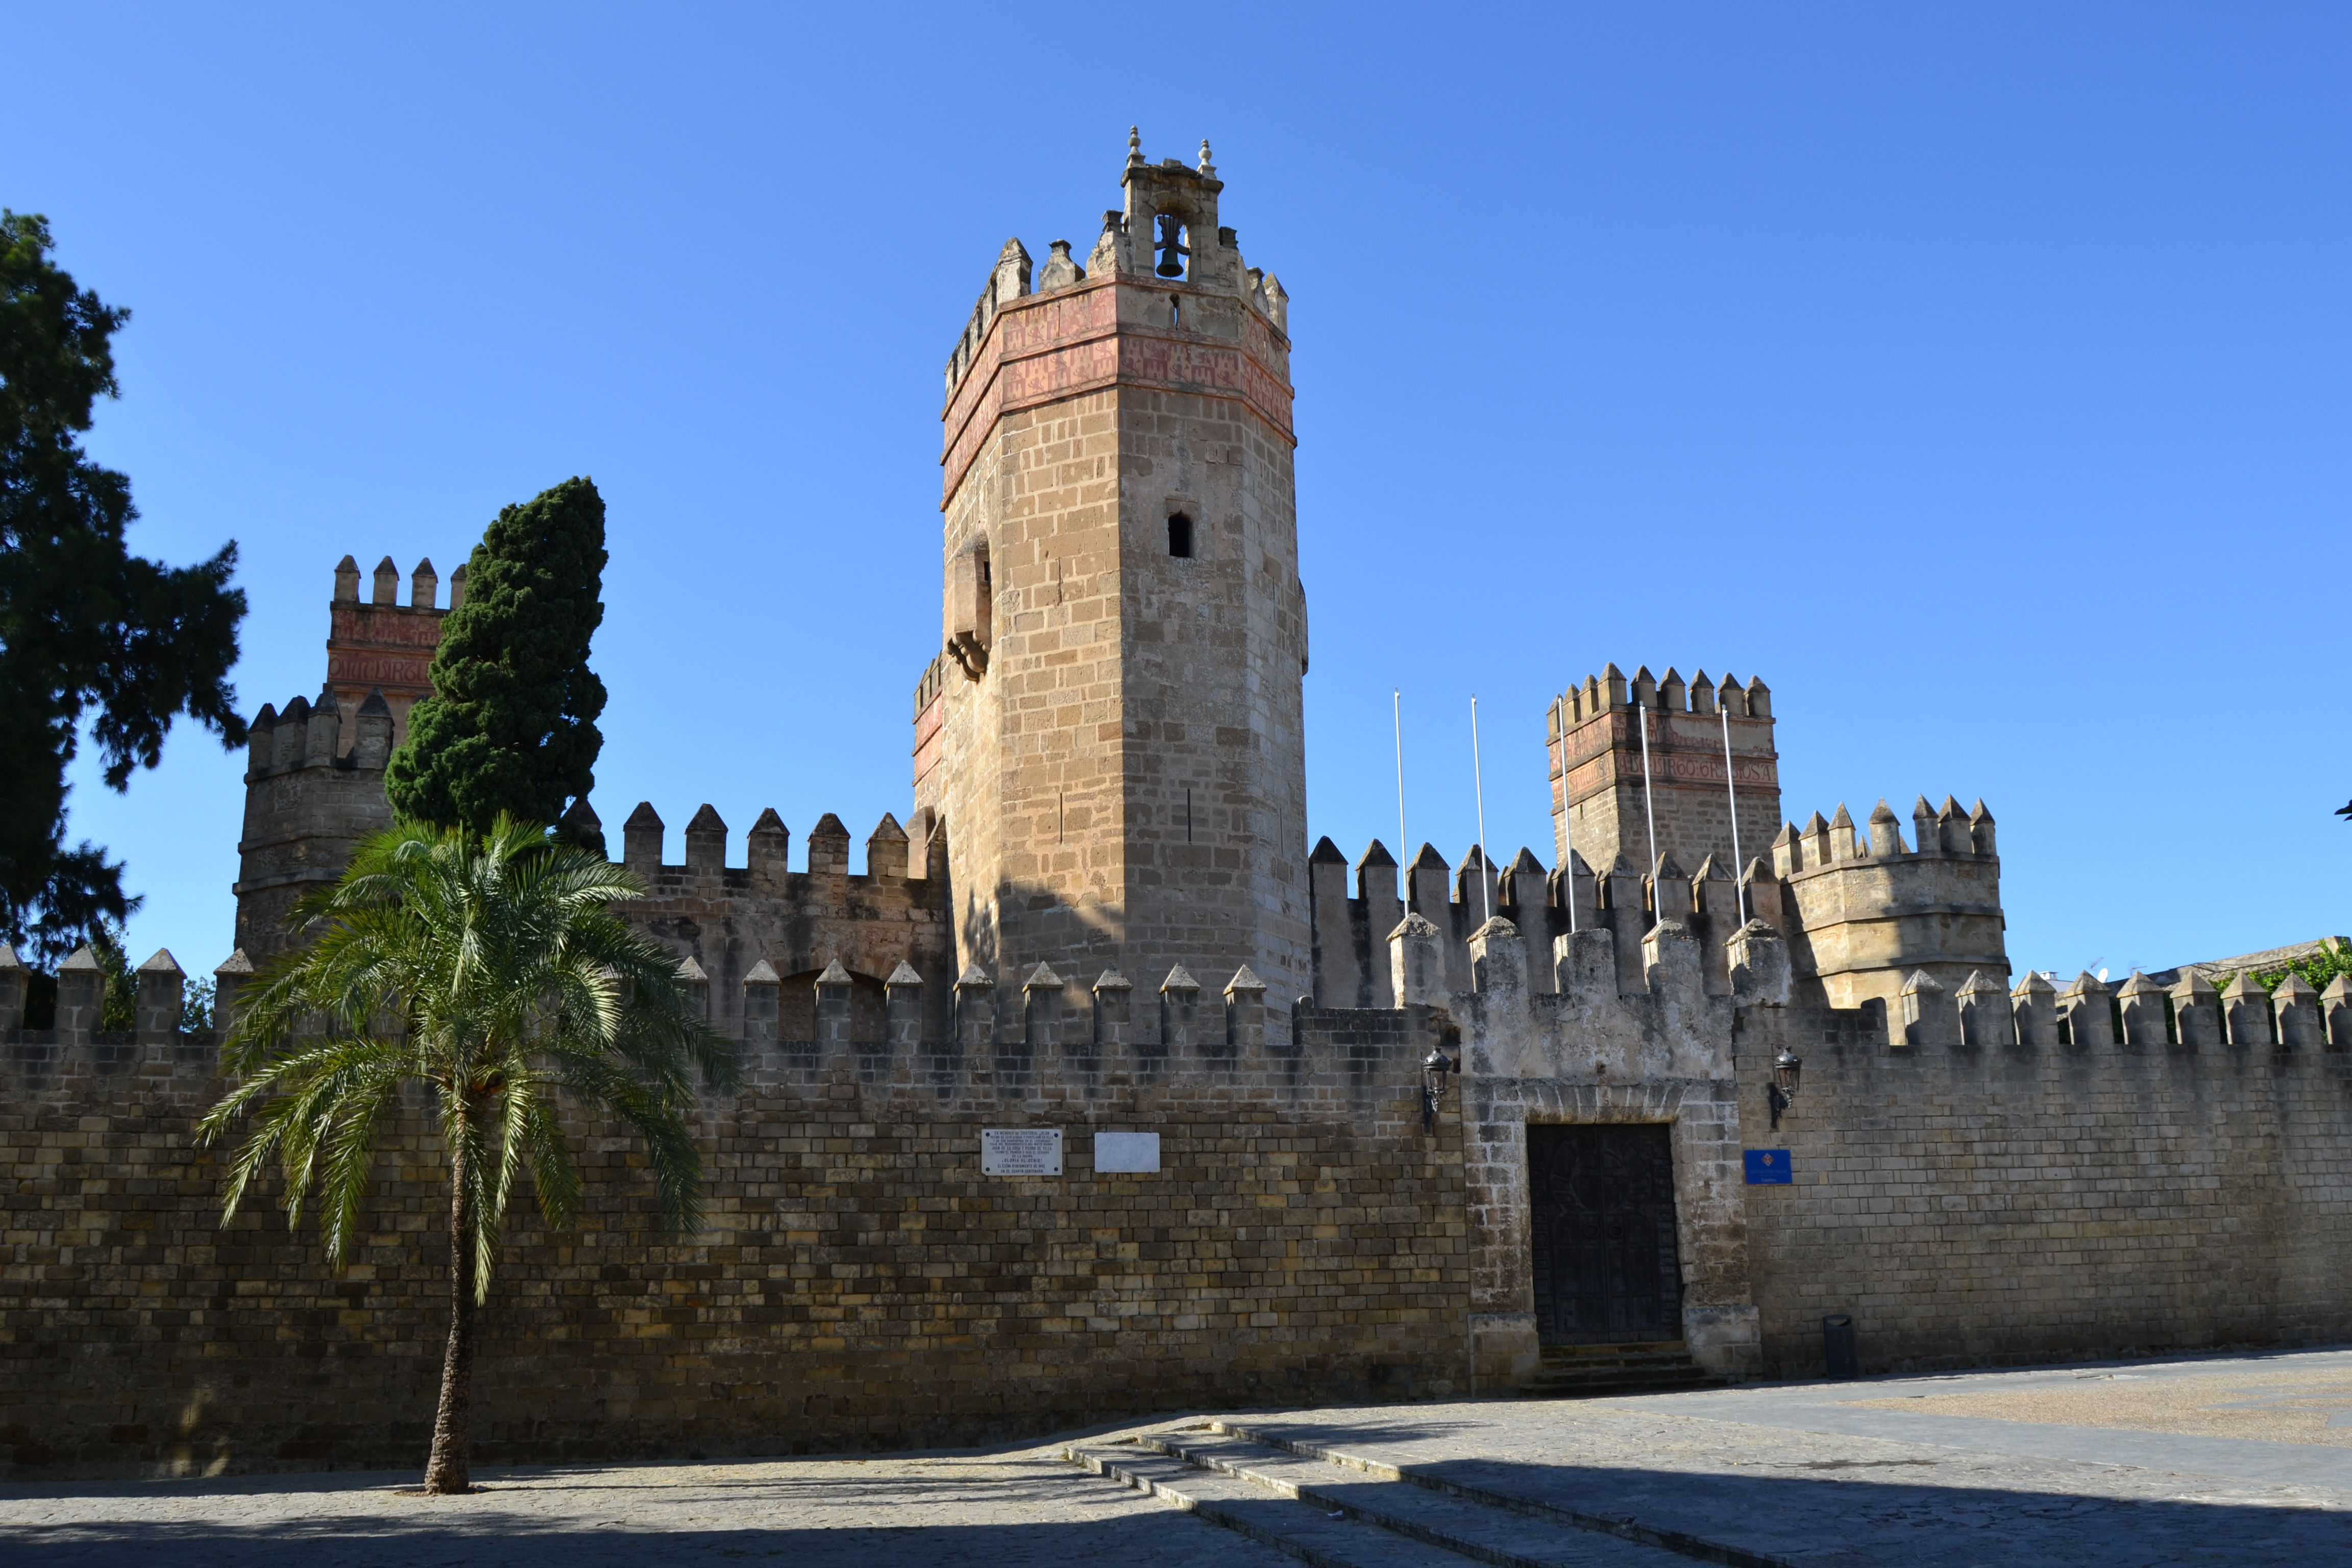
(492,968)
(351,1156)
(553,1170)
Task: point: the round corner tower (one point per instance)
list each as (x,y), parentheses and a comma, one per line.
(1112,738)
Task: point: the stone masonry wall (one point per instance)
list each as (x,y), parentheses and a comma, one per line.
(1599,806)
(1352,928)
(859,1282)
(308,799)
(1118,752)
(2005,1202)
(1591,1053)
(762,919)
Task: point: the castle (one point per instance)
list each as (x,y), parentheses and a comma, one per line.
(1432,1130)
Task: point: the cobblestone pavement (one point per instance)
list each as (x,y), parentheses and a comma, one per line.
(2219,1461)
(2071,1466)
(2297,1406)
(995,1512)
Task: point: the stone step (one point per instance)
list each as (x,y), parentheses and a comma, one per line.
(1324,1537)
(1583,1365)
(1497,1487)
(1656,1374)
(1615,1388)
(1324,1512)
(1572,1371)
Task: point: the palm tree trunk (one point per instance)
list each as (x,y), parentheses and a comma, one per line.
(446,1467)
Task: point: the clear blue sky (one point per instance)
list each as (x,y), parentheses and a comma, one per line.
(1976,374)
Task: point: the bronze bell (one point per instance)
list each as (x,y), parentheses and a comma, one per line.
(1171,252)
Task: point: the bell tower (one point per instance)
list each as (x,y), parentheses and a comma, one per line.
(1111,736)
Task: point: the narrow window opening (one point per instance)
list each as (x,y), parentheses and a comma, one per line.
(1175,311)
(1179,536)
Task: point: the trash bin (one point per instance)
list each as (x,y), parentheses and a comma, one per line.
(1837,1346)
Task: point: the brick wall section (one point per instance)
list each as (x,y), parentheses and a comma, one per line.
(1974,1206)
(382,647)
(1597,791)
(860,1283)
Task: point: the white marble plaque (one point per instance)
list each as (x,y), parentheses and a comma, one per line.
(1127,1152)
(1021,1151)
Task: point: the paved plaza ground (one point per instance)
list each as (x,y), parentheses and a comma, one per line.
(2240,1460)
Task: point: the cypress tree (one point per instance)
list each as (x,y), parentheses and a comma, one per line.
(512,724)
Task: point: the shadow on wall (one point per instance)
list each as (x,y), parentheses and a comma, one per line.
(796,1007)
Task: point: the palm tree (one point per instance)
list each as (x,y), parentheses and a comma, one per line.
(493,969)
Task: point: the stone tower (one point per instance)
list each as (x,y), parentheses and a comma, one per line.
(379,645)
(1597,805)
(1112,739)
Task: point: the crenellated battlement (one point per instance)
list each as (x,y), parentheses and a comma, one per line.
(1028,1044)
(383,646)
(1871,911)
(1354,912)
(1008,280)
(1166,239)
(313,788)
(305,735)
(1610,690)
(1653,767)
(1944,833)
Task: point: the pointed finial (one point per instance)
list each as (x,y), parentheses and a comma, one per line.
(1134,145)
(1204,155)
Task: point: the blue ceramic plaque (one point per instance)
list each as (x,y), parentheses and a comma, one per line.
(1768,1167)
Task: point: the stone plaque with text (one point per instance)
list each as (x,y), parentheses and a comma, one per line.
(1021,1151)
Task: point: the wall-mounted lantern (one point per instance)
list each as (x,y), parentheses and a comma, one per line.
(1434,1069)
(1788,1071)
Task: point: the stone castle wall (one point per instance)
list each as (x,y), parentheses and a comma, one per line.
(1108,761)
(1994,1177)
(860,1283)
(756,936)
(1971,1204)
(1585,1052)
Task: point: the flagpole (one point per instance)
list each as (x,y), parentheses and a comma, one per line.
(1478,785)
(1404,849)
(1649,811)
(1566,818)
(1732,789)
